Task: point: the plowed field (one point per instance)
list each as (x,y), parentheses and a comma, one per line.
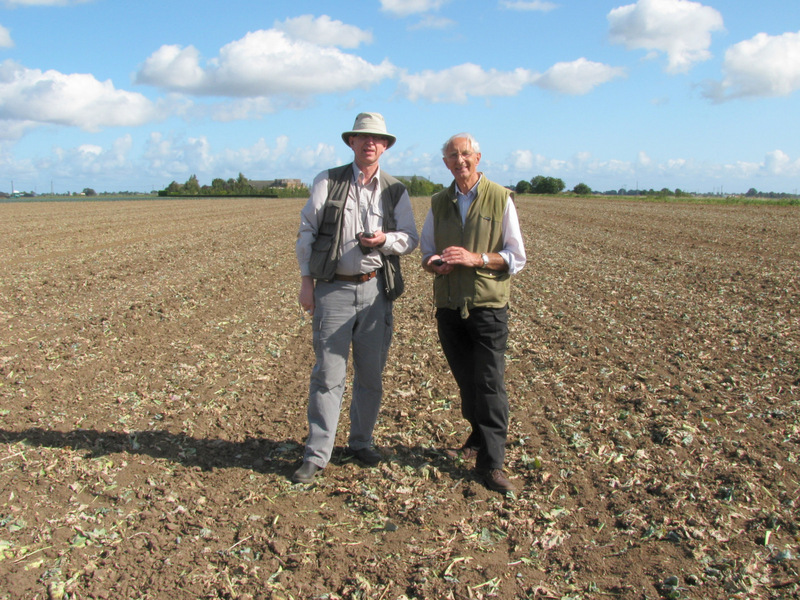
(154,365)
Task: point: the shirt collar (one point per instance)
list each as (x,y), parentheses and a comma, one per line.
(473,190)
(358,174)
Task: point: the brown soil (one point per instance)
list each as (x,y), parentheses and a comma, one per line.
(153,372)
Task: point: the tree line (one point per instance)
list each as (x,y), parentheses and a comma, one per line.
(542,185)
(241,186)
(420,186)
(553,185)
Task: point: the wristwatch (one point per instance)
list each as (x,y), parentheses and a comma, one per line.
(485,258)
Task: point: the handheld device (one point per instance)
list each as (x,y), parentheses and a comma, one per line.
(368,235)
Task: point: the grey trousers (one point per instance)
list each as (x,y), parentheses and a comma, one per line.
(347,314)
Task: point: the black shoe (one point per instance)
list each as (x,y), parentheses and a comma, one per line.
(368,456)
(495,479)
(306,473)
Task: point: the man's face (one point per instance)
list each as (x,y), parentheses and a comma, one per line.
(462,161)
(368,148)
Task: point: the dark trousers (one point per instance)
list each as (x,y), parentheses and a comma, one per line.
(475,350)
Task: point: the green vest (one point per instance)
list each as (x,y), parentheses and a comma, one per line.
(466,287)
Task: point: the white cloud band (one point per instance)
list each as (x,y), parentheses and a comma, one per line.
(680,28)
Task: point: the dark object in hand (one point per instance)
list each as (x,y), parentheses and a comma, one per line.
(438,262)
(365,234)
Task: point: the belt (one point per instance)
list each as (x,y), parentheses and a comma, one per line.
(356,278)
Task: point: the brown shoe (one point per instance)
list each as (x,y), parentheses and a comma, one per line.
(464,453)
(496,480)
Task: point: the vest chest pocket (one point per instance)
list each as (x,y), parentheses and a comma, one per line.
(487,224)
(327,227)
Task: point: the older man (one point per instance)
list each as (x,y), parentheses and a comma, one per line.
(356,219)
(471,242)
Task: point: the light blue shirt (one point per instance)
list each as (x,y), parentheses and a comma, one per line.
(464,201)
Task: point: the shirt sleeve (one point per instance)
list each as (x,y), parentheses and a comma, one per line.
(427,243)
(309,221)
(513,251)
(405,239)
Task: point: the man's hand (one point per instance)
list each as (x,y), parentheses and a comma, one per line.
(377,240)
(436,264)
(306,297)
(456,255)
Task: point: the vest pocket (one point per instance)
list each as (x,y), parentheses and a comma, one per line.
(320,253)
(491,287)
(327,226)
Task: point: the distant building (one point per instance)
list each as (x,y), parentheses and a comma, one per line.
(276,183)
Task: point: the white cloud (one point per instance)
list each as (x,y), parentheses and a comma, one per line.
(403,8)
(5,38)
(537,5)
(525,164)
(457,83)
(310,160)
(262,63)
(646,172)
(680,28)
(779,163)
(178,66)
(578,77)
(77,100)
(522,160)
(13,129)
(738,170)
(324,31)
(174,158)
(165,158)
(90,159)
(761,66)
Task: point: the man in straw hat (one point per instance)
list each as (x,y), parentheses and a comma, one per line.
(353,228)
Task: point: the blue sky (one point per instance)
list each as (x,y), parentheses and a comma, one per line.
(702,96)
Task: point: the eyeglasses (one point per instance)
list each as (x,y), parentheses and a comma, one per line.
(369,136)
(453,156)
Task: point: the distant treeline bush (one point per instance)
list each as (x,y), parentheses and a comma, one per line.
(419,186)
(240,186)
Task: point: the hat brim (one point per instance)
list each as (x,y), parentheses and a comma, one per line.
(388,137)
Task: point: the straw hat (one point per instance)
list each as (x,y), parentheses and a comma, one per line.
(370,123)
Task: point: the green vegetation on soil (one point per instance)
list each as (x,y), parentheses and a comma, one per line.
(154,366)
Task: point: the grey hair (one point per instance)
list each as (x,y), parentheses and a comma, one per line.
(476,147)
